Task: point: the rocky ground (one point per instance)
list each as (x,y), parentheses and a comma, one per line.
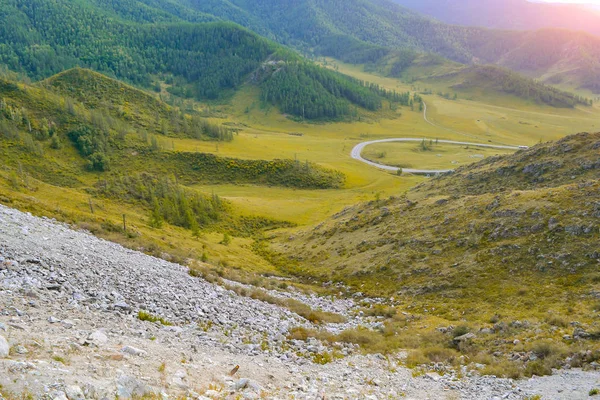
(69,329)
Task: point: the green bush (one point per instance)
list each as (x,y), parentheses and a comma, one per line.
(146,316)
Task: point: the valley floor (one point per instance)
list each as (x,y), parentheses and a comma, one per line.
(69,307)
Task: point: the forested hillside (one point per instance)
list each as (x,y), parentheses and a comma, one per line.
(371,31)
(491,78)
(148,45)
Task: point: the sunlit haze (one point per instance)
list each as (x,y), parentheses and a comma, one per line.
(595,2)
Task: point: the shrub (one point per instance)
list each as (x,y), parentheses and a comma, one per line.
(460,330)
(440,354)
(504,369)
(146,316)
(322,358)
(537,368)
(545,349)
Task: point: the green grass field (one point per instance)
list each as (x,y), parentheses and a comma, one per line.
(267,134)
(432,155)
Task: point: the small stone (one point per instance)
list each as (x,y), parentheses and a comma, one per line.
(121,305)
(463,338)
(241,384)
(133,351)
(58,395)
(21,349)
(68,324)
(179,379)
(97,338)
(128,387)
(16,326)
(53,320)
(4,347)
(74,393)
(212,394)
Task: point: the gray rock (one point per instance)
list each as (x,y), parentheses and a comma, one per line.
(4,347)
(133,351)
(97,338)
(21,349)
(128,387)
(74,393)
(241,384)
(463,338)
(53,320)
(245,383)
(68,324)
(16,326)
(57,395)
(179,380)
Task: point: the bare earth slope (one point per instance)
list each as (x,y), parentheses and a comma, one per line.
(68,305)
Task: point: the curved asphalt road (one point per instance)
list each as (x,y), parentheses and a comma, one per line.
(357,150)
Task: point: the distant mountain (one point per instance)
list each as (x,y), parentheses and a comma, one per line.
(510,14)
(376,31)
(154,42)
(194,45)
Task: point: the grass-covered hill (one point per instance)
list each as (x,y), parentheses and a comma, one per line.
(507,214)
(490,80)
(82,121)
(511,238)
(574,159)
(83,135)
(99,92)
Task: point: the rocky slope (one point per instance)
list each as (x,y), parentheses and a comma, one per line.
(69,329)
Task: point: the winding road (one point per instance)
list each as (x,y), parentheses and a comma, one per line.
(358,149)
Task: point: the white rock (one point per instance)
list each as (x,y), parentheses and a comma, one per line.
(4,347)
(97,338)
(67,323)
(58,395)
(74,393)
(128,387)
(212,394)
(133,351)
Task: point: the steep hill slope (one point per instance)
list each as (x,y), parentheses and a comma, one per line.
(73,304)
(492,217)
(99,92)
(510,14)
(511,238)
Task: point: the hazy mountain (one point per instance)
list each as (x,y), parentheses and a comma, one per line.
(510,14)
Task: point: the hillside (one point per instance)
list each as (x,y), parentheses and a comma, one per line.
(362,31)
(104,158)
(490,80)
(99,92)
(153,49)
(153,330)
(511,238)
(511,14)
